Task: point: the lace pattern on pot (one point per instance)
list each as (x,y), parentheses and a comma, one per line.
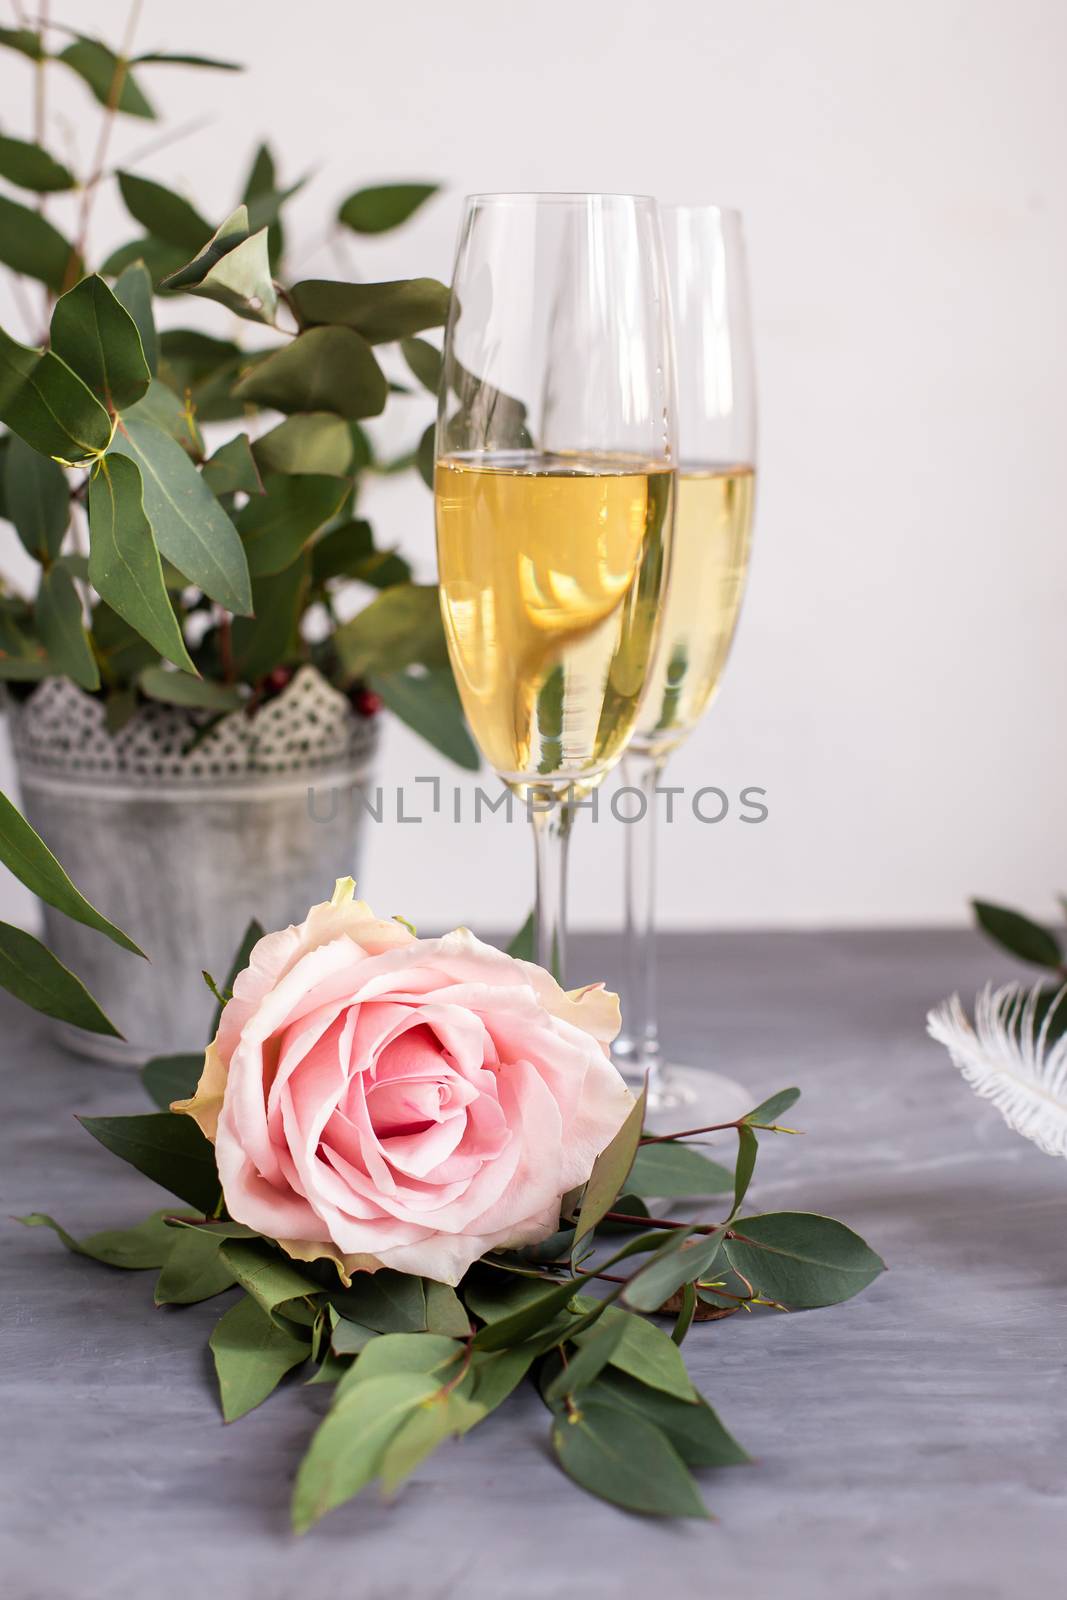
(309,726)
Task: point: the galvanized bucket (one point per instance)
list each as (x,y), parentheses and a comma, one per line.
(181,832)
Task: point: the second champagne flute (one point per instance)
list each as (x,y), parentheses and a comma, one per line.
(554,495)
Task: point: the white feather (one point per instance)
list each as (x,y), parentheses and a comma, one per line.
(1004,1061)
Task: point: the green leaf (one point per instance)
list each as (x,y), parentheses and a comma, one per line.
(349,1444)
(801,1259)
(135,1249)
(424,456)
(61,628)
(252,1356)
(194,1270)
(381,312)
(624,1458)
(341,550)
(1027,940)
(447,1417)
(768,1111)
(426,1353)
(445,1312)
(497,1373)
(241,957)
(670,1170)
(32,974)
(648,1289)
(163,213)
(586,1362)
(276,525)
(388,1302)
(190,527)
(430,705)
(384,206)
(349,1338)
(167,1148)
(158,259)
(168,1078)
(179,689)
(692,1428)
(108,78)
(232,469)
(315,441)
(278,602)
(47,404)
(524,945)
(747,1151)
(133,289)
(124,564)
(609,1174)
(26,42)
(25,853)
(527,1319)
(325,369)
(233,268)
(163,58)
(424,361)
(269,1277)
(30,167)
(31,245)
(648,1354)
(37,498)
(399,628)
(161,408)
(98,339)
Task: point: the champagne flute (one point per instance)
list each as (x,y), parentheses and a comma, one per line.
(716,481)
(554,492)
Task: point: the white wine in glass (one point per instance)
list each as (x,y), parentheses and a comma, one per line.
(554,490)
(712,533)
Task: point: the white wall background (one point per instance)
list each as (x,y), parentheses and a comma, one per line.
(898,681)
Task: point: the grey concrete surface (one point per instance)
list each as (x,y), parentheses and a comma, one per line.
(910,1443)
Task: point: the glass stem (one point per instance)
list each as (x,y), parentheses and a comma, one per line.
(552,822)
(640,1052)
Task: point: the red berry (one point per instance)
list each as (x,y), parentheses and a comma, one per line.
(367,703)
(278,679)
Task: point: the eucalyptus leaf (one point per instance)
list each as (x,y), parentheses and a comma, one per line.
(135,1249)
(124,564)
(668,1170)
(31,245)
(587,1361)
(347,1449)
(269,1277)
(260,645)
(167,1148)
(159,260)
(429,704)
(194,1270)
(801,1259)
(98,339)
(424,456)
(426,1353)
(648,1354)
(276,525)
(31,167)
(349,1338)
(649,1288)
(609,1174)
(252,1355)
(445,1312)
(133,289)
(109,78)
(36,498)
(747,1151)
(23,40)
(47,404)
(162,213)
(232,469)
(447,1417)
(25,853)
(161,408)
(384,206)
(1019,935)
(341,550)
(622,1457)
(169,1078)
(381,312)
(164,58)
(180,689)
(401,627)
(424,361)
(233,268)
(32,974)
(310,442)
(693,1428)
(389,1302)
(324,369)
(190,527)
(524,945)
(768,1111)
(61,628)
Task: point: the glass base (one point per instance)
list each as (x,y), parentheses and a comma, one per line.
(682,1097)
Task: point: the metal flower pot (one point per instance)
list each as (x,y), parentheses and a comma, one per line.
(181,831)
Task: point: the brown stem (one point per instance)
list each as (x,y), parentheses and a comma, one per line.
(92,182)
(662,1222)
(691,1133)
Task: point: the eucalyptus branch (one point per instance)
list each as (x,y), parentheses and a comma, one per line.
(96,173)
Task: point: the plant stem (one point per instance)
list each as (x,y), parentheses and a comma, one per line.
(662,1222)
(100,158)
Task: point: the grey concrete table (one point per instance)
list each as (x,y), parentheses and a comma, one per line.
(910,1443)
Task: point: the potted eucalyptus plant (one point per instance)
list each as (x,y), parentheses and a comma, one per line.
(183,670)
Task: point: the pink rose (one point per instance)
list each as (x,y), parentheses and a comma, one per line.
(388,1101)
